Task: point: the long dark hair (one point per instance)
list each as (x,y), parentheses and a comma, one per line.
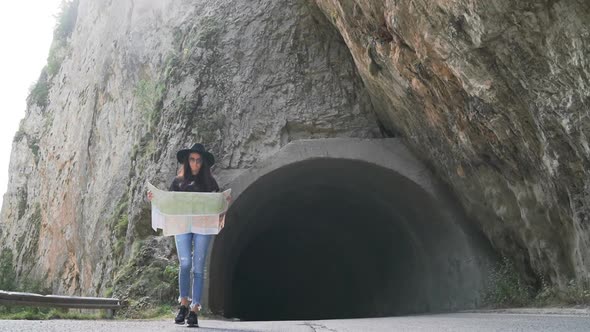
(204,178)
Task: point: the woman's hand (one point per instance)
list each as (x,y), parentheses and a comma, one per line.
(150,195)
(227,198)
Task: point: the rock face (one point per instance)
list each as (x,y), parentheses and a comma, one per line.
(128,84)
(494,95)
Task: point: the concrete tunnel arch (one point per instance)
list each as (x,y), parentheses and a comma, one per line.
(343,228)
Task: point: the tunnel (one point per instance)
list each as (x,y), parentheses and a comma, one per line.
(329,237)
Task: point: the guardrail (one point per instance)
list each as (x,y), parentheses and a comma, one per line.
(58,301)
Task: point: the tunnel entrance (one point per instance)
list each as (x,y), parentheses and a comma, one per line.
(337,238)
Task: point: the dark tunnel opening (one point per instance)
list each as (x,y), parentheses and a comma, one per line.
(335,238)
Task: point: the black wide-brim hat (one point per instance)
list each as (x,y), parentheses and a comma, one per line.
(182,155)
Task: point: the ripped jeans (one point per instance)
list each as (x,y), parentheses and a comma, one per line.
(184,247)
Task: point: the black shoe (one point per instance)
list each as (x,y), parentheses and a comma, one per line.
(192,319)
(182,312)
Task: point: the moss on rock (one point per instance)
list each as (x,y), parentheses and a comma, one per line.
(147,279)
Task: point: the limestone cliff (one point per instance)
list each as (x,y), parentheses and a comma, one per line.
(494,95)
(128,84)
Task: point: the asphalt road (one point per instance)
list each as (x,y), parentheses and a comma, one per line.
(446,322)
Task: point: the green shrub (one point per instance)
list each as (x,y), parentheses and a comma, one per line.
(574,293)
(149,96)
(65,23)
(20,134)
(506,288)
(66,19)
(39,92)
(7,273)
(57,54)
(120,225)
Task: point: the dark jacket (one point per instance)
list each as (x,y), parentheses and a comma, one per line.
(178,184)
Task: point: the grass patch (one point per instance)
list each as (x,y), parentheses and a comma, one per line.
(34,313)
(147,311)
(149,96)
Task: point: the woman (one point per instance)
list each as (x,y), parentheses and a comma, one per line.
(194,175)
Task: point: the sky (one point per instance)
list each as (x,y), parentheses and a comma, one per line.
(26,31)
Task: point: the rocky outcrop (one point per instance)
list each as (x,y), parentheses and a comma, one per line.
(494,95)
(135,82)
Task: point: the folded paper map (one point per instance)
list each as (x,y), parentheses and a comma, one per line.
(179,212)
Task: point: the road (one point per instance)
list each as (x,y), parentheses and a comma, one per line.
(445,322)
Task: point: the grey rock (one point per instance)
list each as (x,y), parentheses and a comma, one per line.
(143,79)
(495,96)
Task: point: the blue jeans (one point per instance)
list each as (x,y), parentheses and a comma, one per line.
(184,247)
